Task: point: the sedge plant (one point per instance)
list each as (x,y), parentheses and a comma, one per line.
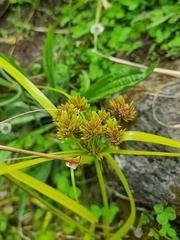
(98,136)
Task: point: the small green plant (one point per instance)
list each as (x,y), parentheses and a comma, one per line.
(74,67)
(145,218)
(18,26)
(163,216)
(36,68)
(118,80)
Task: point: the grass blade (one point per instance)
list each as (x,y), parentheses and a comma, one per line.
(129,222)
(54,194)
(147,137)
(48,205)
(28,85)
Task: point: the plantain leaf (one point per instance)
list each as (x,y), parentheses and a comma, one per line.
(117,82)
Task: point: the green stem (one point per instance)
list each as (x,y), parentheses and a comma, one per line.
(93,147)
(95,41)
(125,228)
(74,184)
(97,19)
(89,236)
(98,11)
(104,197)
(79,144)
(55,90)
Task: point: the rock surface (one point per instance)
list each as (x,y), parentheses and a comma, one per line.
(155,179)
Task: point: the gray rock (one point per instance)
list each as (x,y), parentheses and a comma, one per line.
(155,179)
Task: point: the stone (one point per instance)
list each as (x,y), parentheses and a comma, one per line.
(154,179)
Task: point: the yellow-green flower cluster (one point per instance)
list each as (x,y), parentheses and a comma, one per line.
(113,133)
(92,129)
(121,109)
(79,103)
(92,126)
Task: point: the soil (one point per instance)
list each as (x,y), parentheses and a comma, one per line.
(24,46)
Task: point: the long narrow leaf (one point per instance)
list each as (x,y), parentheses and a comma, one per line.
(8,98)
(16,166)
(147,137)
(138,152)
(129,222)
(48,205)
(28,85)
(54,194)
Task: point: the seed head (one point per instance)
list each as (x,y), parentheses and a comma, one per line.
(97,29)
(79,103)
(104,116)
(68,125)
(69,108)
(92,126)
(113,133)
(122,109)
